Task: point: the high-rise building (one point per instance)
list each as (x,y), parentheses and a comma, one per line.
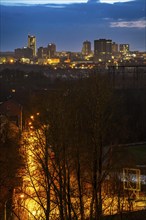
(32,44)
(114,48)
(47,52)
(40,52)
(51,50)
(102,50)
(124,48)
(86,49)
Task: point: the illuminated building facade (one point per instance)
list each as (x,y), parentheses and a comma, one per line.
(47,52)
(124,48)
(86,49)
(32,44)
(102,50)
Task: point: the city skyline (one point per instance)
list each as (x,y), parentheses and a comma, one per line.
(69,25)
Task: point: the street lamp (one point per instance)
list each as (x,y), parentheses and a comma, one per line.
(19,199)
(32,117)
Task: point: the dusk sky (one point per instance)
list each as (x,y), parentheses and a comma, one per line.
(68,23)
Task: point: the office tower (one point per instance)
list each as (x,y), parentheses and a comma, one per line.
(124,48)
(32,44)
(51,50)
(102,50)
(114,48)
(47,52)
(86,49)
(40,52)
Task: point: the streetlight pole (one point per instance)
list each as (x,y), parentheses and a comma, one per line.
(5,210)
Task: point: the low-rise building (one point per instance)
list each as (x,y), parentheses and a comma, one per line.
(13,111)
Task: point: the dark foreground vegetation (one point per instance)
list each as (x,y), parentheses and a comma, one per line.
(140,215)
(83,122)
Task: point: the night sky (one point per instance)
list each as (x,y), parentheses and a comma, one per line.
(68,23)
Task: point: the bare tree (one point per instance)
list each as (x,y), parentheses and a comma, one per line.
(75,126)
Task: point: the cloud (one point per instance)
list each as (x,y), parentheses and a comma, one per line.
(129,24)
(31,2)
(93,1)
(55,6)
(68,25)
(114,1)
